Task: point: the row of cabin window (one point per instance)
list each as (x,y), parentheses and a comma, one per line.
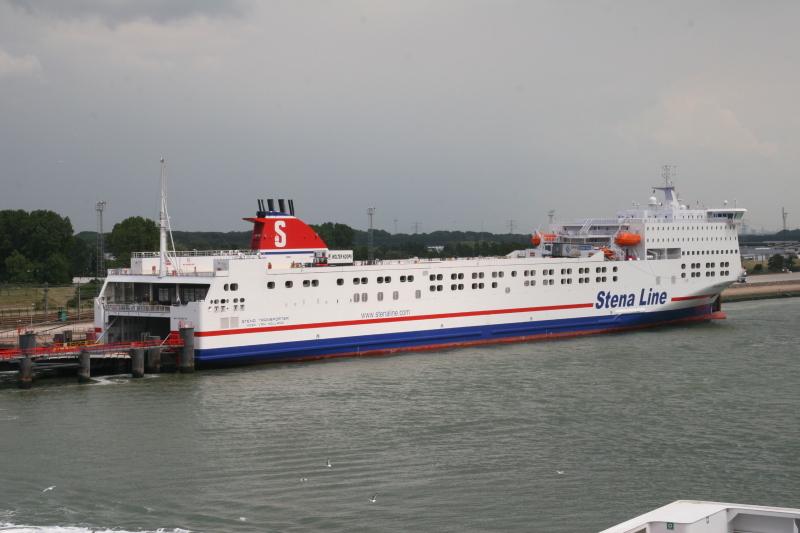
(684,228)
(364,297)
(226,300)
(723,264)
(710,252)
(708,274)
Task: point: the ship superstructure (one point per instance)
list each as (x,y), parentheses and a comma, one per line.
(291,298)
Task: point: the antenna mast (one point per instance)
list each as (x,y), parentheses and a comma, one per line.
(163,224)
(370,212)
(101,253)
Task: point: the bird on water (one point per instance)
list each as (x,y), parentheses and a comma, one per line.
(328,462)
(374,498)
(49,488)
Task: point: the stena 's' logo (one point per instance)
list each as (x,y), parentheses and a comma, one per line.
(280,236)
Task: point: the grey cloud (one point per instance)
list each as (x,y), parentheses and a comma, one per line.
(122,11)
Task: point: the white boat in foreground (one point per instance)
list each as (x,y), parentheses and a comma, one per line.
(687,516)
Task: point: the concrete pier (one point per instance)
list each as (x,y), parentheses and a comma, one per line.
(85,367)
(137,362)
(152,363)
(25,373)
(169,362)
(187,350)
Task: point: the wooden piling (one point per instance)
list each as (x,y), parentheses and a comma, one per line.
(187,350)
(85,368)
(137,362)
(25,380)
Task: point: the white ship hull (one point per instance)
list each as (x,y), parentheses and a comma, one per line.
(273,304)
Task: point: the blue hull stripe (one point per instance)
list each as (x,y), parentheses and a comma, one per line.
(317,348)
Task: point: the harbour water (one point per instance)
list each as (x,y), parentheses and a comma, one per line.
(559,436)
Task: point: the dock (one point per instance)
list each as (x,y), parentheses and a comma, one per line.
(31,358)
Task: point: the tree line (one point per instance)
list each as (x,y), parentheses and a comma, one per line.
(41,246)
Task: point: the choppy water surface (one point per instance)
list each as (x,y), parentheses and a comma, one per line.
(459,440)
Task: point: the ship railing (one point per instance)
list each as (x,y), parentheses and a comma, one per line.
(138,308)
(197,253)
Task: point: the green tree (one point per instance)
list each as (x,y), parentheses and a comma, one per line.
(47,233)
(134,234)
(776,262)
(336,236)
(19,269)
(55,269)
(13,228)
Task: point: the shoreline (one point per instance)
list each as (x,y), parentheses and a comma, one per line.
(742,292)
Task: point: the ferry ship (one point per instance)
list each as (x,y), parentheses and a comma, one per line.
(290,298)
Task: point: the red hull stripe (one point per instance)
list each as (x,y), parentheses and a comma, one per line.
(390,319)
(682,298)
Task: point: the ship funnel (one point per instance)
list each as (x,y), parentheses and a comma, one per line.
(291,207)
(261,211)
(281,205)
(271,204)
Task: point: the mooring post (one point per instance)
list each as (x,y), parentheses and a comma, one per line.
(152,364)
(187,350)
(85,367)
(137,362)
(27,343)
(25,373)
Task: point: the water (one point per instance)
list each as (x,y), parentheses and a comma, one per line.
(457,440)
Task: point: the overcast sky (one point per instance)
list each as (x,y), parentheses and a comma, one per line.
(450,114)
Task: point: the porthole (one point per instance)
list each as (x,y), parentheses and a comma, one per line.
(306,283)
(315,283)
(460,275)
(363,296)
(433,288)
(410,278)
(438,277)
(500,274)
(494,284)
(395,295)
(508,290)
(474,285)
(453,276)
(461,286)
(225,287)
(380,279)
(380,296)
(432,277)
(288,284)
(363,281)
(480,275)
(418,294)
(453,287)
(480,285)
(234,286)
(271,285)
(387,279)
(439,288)
(513,273)
(356,297)
(340,281)
(474,275)
(402,279)
(356,281)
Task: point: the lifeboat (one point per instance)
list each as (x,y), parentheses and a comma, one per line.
(627,239)
(537,238)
